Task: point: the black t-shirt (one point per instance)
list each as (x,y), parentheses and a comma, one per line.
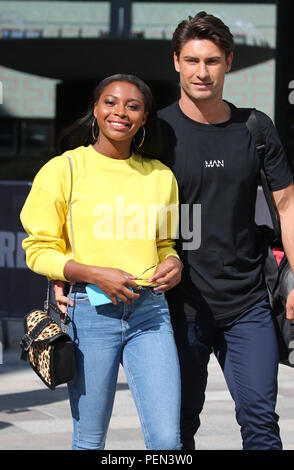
(217,171)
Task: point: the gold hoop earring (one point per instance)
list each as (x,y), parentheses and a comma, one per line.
(95,137)
(142,141)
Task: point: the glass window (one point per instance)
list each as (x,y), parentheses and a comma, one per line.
(31,19)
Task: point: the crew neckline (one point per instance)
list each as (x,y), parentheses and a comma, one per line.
(115,161)
(212,126)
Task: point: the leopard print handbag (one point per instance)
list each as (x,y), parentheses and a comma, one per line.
(49,349)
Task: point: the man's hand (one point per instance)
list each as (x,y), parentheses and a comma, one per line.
(168,274)
(290,306)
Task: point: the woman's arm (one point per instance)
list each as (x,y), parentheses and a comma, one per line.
(43,217)
(169,271)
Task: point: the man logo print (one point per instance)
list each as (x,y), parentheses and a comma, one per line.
(213,163)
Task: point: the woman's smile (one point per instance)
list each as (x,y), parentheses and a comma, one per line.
(119,125)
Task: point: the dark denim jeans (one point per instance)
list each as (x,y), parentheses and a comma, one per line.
(247,351)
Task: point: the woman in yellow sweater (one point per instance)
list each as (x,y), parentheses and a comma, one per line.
(124,217)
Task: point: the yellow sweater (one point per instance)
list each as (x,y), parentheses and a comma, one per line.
(124,214)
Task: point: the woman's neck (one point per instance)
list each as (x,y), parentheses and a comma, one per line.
(113,149)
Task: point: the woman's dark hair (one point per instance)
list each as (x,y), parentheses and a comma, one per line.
(80,132)
(203,26)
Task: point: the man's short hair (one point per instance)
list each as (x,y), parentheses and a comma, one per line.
(203,26)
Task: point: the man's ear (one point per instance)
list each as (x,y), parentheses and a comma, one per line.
(176,62)
(229,61)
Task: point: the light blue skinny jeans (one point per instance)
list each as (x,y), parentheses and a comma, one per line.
(140,336)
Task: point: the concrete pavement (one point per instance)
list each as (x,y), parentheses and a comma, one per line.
(32,417)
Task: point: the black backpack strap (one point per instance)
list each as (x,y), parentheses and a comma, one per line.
(253,126)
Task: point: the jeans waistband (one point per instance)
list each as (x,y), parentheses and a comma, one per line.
(81,287)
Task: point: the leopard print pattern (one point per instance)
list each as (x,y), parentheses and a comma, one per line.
(48,332)
(39,356)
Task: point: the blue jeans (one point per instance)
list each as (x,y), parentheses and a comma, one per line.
(246,349)
(139,335)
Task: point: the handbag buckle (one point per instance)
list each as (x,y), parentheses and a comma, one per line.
(26,342)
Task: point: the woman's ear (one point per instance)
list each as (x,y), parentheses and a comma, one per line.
(95,111)
(145,118)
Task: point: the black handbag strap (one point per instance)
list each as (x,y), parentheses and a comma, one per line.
(28,339)
(259,140)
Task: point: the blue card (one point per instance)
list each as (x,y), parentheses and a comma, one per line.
(97,296)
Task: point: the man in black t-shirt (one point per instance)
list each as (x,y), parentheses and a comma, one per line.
(221,304)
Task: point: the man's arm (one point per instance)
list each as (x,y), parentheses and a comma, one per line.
(284,201)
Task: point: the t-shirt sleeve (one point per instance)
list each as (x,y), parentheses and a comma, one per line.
(276,165)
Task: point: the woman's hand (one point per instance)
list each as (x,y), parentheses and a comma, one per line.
(168,274)
(61,299)
(116,283)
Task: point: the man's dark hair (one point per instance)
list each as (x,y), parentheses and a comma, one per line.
(203,26)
